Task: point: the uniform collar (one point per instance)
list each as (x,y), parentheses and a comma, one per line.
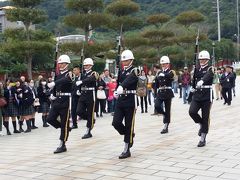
(129,67)
(62,72)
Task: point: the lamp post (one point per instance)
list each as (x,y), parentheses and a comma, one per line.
(218,18)
(213,54)
(237,32)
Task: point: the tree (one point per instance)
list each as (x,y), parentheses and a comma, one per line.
(87,15)
(187,18)
(25,44)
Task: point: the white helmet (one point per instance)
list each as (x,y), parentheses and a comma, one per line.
(64,59)
(164,60)
(127,55)
(204,55)
(88,61)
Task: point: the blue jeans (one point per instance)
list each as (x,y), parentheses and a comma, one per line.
(185,92)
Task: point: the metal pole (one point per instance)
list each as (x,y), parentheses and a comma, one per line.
(237,32)
(213,54)
(218,17)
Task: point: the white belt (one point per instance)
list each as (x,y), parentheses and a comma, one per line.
(130,92)
(87,89)
(205,87)
(164,87)
(63,94)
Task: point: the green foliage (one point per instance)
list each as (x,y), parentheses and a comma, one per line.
(122,7)
(84,6)
(26,3)
(128,22)
(158,19)
(189,17)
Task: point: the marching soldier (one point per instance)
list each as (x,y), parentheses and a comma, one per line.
(61,101)
(164,79)
(87,99)
(202,96)
(75,96)
(126,102)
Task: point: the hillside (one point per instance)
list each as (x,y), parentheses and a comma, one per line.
(55,10)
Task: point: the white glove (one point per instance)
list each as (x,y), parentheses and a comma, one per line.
(51,85)
(78,93)
(192,89)
(52,97)
(20,95)
(120,90)
(161,74)
(78,83)
(200,83)
(115,94)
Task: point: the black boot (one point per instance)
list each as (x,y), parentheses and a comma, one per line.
(44,118)
(6,125)
(15,127)
(202,141)
(126,152)
(33,124)
(87,134)
(61,148)
(165,129)
(28,122)
(20,126)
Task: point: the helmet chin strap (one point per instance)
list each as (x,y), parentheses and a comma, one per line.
(87,69)
(130,64)
(63,69)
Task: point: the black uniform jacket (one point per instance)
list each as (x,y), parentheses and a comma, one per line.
(206,74)
(88,79)
(63,84)
(164,82)
(227,80)
(128,80)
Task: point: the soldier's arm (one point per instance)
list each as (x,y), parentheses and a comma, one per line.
(208,76)
(131,79)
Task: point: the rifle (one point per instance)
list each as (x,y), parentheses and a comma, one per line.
(195,60)
(118,57)
(56,57)
(82,57)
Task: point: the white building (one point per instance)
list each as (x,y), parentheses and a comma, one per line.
(5,24)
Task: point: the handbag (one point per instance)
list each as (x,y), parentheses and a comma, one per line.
(3,102)
(141,91)
(36,102)
(101,94)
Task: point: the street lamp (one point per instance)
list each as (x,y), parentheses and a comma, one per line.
(213,54)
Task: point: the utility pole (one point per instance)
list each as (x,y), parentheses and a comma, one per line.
(218,18)
(237,32)
(213,54)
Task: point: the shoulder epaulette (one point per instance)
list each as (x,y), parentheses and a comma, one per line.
(94,73)
(135,71)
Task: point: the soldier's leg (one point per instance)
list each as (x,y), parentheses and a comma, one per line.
(90,114)
(167,114)
(193,111)
(64,116)
(129,124)
(73,110)
(52,118)
(118,120)
(81,110)
(206,108)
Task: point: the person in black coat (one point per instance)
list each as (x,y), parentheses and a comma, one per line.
(44,93)
(87,99)
(126,103)
(202,96)
(227,82)
(164,79)
(61,95)
(100,102)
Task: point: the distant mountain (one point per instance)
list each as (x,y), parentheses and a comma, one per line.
(55,10)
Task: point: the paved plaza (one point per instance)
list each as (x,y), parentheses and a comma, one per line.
(154,156)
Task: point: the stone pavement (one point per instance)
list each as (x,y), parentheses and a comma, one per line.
(154,156)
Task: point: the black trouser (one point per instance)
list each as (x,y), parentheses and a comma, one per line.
(204,120)
(85,110)
(145,101)
(126,129)
(227,94)
(158,106)
(167,110)
(101,103)
(52,119)
(74,109)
